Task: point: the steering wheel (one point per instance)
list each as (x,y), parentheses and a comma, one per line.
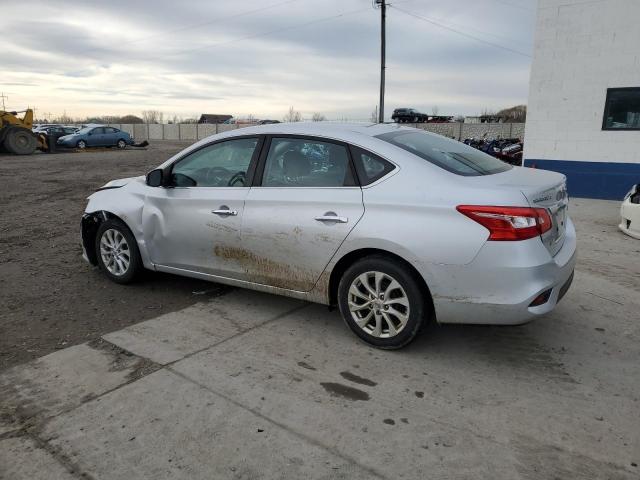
(216,176)
(239,177)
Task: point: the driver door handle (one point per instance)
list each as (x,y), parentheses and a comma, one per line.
(225,212)
(332,218)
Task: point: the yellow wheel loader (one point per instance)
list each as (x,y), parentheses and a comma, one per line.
(16,136)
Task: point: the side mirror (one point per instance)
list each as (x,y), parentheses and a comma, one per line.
(154,178)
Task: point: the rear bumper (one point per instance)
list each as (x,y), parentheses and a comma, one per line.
(500,284)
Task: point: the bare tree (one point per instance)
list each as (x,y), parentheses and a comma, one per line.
(152,116)
(129,119)
(292,115)
(251,118)
(374,115)
(435,110)
(318,117)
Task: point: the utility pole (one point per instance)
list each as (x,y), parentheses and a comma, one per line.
(383,15)
(3,97)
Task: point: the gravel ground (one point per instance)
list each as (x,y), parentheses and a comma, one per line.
(51,298)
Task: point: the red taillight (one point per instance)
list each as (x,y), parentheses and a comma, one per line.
(509,223)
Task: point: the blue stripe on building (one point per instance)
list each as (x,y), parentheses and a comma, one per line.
(604,180)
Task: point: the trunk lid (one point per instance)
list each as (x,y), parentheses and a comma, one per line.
(542,189)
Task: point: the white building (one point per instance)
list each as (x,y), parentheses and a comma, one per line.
(583,115)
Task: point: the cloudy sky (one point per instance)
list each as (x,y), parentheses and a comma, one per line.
(261,56)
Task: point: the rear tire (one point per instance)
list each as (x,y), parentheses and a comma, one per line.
(121,144)
(382,302)
(117,252)
(20,141)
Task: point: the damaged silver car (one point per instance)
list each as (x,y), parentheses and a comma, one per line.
(395,226)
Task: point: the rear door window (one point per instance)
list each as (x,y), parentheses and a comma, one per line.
(302,162)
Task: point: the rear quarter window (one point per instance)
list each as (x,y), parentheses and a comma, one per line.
(369,167)
(450,155)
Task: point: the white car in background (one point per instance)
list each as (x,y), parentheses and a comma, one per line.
(395,226)
(630,213)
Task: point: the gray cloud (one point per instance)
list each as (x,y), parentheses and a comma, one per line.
(188,57)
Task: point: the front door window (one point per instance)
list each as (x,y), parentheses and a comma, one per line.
(222,164)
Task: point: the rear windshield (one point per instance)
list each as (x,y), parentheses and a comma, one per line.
(453,156)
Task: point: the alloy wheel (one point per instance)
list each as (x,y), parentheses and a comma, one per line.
(378,304)
(115,252)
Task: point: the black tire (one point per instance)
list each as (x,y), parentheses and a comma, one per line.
(20,141)
(81,144)
(121,144)
(135,262)
(419,310)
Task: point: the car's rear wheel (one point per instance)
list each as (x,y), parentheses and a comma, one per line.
(117,251)
(121,144)
(382,302)
(81,144)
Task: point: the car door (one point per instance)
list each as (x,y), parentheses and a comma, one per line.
(94,137)
(192,223)
(110,136)
(303,204)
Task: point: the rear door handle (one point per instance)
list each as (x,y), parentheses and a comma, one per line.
(332,217)
(224,211)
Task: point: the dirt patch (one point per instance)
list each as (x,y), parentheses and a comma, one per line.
(352,377)
(265,271)
(122,359)
(345,391)
(52,298)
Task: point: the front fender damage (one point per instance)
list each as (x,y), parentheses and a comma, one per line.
(88,229)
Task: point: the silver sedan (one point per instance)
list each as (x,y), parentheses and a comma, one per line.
(395,226)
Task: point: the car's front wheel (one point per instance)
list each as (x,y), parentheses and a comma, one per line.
(382,302)
(118,254)
(81,144)
(121,144)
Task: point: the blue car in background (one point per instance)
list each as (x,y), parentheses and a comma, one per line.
(96,136)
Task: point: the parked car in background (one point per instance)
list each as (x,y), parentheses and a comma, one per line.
(58,130)
(96,136)
(630,213)
(43,126)
(267,122)
(339,214)
(408,115)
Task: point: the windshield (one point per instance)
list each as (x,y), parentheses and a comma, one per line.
(85,130)
(449,154)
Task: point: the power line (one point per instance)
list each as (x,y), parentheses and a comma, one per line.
(481,32)
(464,34)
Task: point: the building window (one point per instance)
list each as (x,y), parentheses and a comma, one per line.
(622,109)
